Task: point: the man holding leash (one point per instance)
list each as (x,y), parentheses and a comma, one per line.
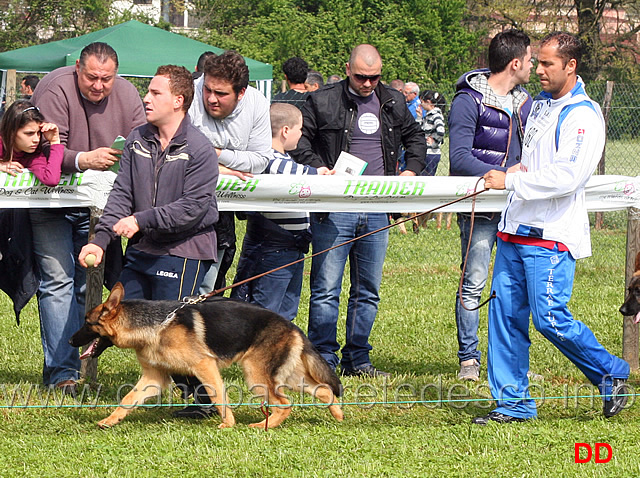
(544,229)
(163,198)
(371,121)
(486,127)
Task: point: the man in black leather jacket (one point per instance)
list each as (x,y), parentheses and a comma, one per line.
(371,121)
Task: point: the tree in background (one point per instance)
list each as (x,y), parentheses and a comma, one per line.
(430,42)
(420,40)
(609,29)
(30,22)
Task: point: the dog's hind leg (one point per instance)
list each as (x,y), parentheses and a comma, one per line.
(323,393)
(280,406)
(208,373)
(151,384)
(262,383)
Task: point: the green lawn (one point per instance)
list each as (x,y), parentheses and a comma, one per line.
(414,337)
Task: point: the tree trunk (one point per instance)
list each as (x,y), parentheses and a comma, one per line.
(589,33)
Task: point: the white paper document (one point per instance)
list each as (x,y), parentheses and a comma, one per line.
(348,164)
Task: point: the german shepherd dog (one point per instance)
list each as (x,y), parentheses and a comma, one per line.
(631,306)
(198,339)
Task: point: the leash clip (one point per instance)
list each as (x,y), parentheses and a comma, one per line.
(186,300)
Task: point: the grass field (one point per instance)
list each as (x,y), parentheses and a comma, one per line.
(414,337)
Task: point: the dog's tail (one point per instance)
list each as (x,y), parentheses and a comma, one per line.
(319,369)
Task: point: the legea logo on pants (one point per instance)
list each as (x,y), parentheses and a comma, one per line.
(172,275)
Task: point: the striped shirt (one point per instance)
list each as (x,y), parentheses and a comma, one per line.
(284,164)
(433,126)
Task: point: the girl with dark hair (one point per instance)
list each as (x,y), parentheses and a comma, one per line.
(21,143)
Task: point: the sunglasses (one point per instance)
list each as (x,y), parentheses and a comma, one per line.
(363,78)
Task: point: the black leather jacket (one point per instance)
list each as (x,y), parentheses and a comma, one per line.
(329,120)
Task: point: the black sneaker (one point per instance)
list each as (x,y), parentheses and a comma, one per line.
(496,417)
(196,412)
(618,400)
(366,370)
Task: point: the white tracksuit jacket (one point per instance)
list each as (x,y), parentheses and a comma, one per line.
(562,146)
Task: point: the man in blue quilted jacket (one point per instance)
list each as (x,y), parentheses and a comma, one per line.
(486,126)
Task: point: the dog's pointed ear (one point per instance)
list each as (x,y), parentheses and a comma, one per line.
(117,294)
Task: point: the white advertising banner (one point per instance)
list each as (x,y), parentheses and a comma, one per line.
(267,192)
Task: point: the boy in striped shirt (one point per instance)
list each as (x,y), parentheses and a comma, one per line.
(274,239)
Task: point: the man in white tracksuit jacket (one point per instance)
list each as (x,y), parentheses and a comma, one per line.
(544,229)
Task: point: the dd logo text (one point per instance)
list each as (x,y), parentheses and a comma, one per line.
(600,457)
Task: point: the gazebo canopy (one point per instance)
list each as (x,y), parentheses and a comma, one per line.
(141,49)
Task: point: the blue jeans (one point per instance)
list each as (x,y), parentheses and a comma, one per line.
(58,236)
(209,280)
(538,281)
(366,259)
(485,228)
(280,290)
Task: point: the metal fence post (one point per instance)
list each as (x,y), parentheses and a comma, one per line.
(629,329)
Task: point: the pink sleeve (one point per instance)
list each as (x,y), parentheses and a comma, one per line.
(48,170)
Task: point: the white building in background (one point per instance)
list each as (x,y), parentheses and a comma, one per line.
(172,11)
(177,13)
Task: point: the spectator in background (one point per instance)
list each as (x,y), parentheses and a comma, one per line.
(433,127)
(314,81)
(91,105)
(235,118)
(200,65)
(486,129)
(28,85)
(295,72)
(275,239)
(333,79)
(410,90)
(411,93)
(397,85)
(378,122)
(27,141)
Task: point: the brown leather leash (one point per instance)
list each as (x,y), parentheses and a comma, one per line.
(410,218)
(466,257)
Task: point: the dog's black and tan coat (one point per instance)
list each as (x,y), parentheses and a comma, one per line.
(631,306)
(200,339)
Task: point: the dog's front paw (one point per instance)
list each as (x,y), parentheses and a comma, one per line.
(225,425)
(108,423)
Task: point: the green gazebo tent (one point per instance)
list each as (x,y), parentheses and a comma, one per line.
(141,49)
